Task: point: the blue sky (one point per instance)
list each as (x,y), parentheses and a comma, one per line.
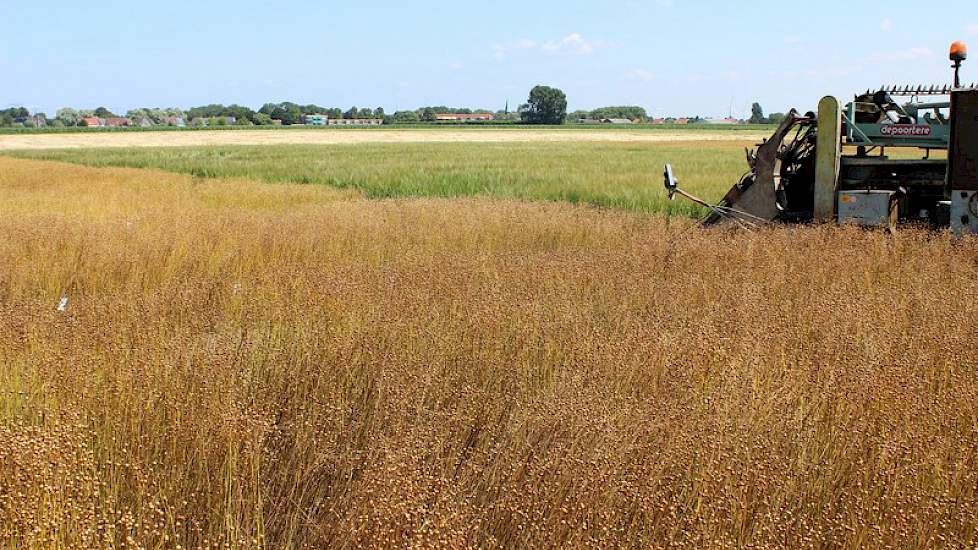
(672,57)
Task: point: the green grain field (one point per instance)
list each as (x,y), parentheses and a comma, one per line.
(614,175)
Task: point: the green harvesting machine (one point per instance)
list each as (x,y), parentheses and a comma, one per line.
(895,155)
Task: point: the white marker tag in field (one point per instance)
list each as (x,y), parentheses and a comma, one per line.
(63,304)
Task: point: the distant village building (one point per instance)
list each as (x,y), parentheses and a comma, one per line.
(144,122)
(92,122)
(117,122)
(662,121)
(722,121)
(177,121)
(459,117)
(606,121)
(355,122)
(317,120)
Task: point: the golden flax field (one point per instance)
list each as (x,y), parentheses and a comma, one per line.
(258,365)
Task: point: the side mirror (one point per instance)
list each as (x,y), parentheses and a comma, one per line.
(670,181)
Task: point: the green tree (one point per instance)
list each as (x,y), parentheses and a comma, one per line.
(428,114)
(67,116)
(9,117)
(351,113)
(379,112)
(631,112)
(223,111)
(19,112)
(286,112)
(546,105)
(776,118)
(103,112)
(261,119)
(136,115)
(757,114)
(406,117)
(158,116)
(578,115)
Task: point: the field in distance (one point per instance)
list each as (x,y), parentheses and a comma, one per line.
(625,175)
(223,363)
(30,139)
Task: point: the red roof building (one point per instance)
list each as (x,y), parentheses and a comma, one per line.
(117,122)
(92,122)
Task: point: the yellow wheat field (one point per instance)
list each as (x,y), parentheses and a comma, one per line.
(244,365)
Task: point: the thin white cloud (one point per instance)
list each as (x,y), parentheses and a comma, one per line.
(910,54)
(793,40)
(643,75)
(971,29)
(572,44)
(456,66)
(886,25)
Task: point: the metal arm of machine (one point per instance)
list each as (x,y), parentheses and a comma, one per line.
(742,218)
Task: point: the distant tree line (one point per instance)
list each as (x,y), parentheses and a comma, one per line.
(630,112)
(289,113)
(76,117)
(285,113)
(15,114)
(757,116)
(545,105)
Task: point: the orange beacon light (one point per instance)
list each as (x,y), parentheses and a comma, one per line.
(959,52)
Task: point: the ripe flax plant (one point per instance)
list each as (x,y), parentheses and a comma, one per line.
(264,366)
